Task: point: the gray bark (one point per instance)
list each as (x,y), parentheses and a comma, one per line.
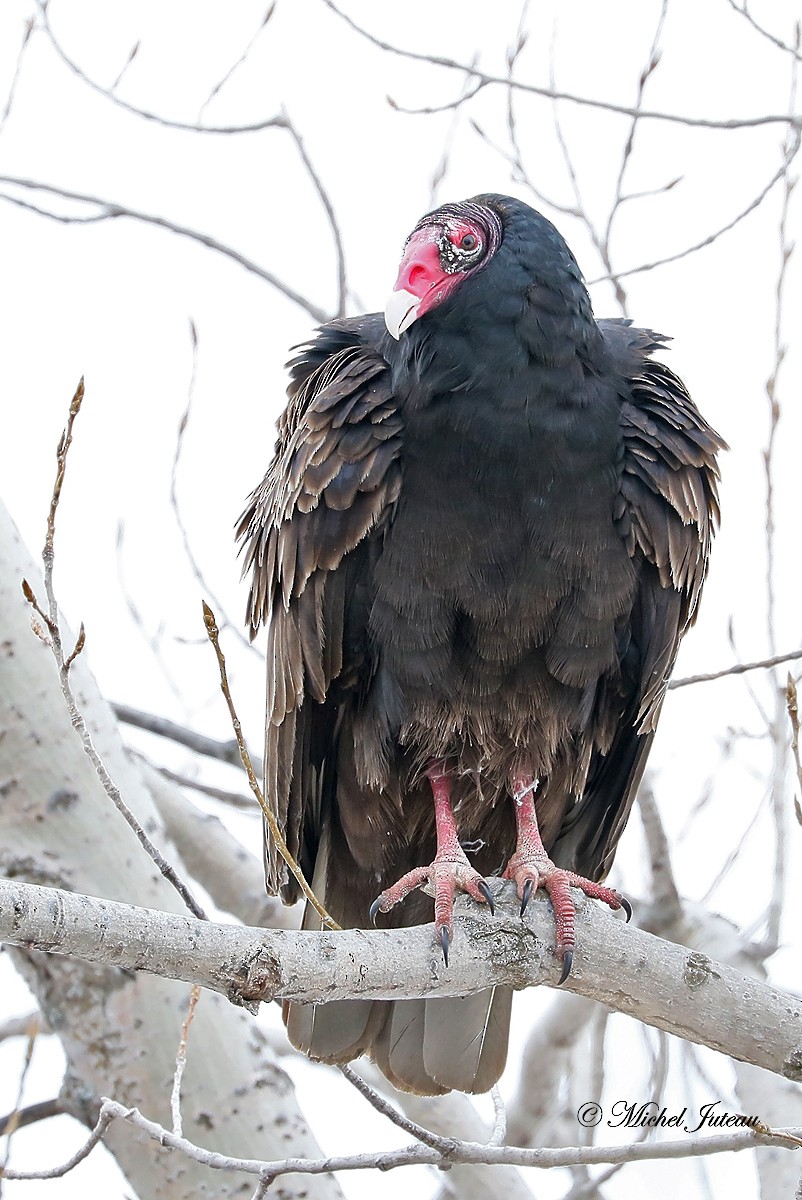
(663,984)
(120,1030)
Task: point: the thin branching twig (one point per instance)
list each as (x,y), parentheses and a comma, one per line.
(762,664)
(109,93)
(12,89)
(328,207)
(270,817)
(50,617)
(792,703)
(443,1145)
(239,62)
(418,1153)
(31,1114)
(226,752)
(13,1121)
(181,1061)
(551,93)
(111,210)
(189,553)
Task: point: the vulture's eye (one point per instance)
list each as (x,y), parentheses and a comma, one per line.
(468,241)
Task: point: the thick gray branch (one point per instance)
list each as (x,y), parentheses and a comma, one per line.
(662,984)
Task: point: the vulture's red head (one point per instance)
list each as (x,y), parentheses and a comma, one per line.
(487,259)
(445,248)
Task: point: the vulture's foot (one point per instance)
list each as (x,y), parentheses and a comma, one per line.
(448,873)
(530,868)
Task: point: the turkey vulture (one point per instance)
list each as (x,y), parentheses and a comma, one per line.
(480,540)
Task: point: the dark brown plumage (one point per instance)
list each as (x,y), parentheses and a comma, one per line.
(476,549)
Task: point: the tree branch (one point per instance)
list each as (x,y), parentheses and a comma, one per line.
(450,64)
(109,211)
(29,1115)
(662,984)
(417,1153)
(144,113)
(738,669)
(227,752)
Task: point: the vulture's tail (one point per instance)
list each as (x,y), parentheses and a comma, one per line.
(425,1046)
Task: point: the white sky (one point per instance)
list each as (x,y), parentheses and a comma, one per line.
(113,302)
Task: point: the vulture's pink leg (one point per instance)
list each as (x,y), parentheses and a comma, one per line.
(530,867)
(449,872)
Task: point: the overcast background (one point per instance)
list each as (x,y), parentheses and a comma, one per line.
(113,301)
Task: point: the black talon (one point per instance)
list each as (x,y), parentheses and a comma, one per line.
(627,907)
(488,895)
(445,942)
(529,887)
(568,962)
(374,908)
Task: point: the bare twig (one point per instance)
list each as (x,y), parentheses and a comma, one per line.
(232,799)
(154,640)
(580,209)
(550,93)
(51,620)
(269,815)
(194,565)
(771,37)
(232,874)
(181,1062)
(786,250)
(21,1026)
(467,93)
(793,714)
(737,850)
(227,752)
(328,208)
(218,87)
(738,669)
(779,174)
(516,159)
(383,1106)
(263,1186)
(12,90)
(471,1152)
(777,725)
(652,63)
(30,1115)
(104,1120)
(499,1134)
(11,1123)
(441,166)
(108,93)
(123,71)
(110,210)
(748,684)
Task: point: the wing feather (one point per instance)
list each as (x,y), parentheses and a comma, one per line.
(330,488)
(667,512)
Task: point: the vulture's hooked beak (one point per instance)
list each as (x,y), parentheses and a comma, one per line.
(415,290)
(401,311)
